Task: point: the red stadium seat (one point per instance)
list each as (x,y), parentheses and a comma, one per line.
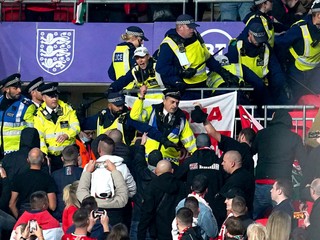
(12,12)
(63,14)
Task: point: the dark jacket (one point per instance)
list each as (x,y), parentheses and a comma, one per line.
(158,210)
(192,234)
(277,147)
(205,162)
(313,229)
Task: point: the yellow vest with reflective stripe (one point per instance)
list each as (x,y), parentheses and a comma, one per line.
(67,123)
(196,54)
(151,82)
(215,80)
(121,62)
(255,63)
(16,118)
(270,32)
(311,55)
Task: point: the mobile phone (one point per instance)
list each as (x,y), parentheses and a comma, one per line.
(98,213)
(298,215)
(32,225)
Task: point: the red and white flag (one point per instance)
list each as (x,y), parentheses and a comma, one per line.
(248,121)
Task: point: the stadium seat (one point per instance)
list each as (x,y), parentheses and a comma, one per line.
(12,12)
(63,14)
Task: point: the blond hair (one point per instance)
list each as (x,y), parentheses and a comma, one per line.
(279,225)
(256,231)
(69,194)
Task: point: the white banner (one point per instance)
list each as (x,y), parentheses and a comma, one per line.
(221,111)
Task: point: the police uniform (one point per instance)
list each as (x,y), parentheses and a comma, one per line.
(175,127)
(107,120)
(51,123)
(122,57)
(141,76)
(260,61)
(34,85)
(182,62)
(302,43)
(15,115)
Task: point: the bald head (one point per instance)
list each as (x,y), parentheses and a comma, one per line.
(115,135)
(163,166)
(35,157)
(234,156)
(105,146)
(315,189)
(232,160)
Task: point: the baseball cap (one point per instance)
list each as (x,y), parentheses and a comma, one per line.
(137,32)
(186,19)
(259,33)
(141,52)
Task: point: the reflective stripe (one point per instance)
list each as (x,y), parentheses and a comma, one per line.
(184,141)
(191,147)
(182,57)
(19,112)
(55,150)
(15,124)
(12,133)
(172,136)
(200,71)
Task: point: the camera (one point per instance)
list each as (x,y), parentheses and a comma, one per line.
(298,215)
(315,134)
(32,225)
(98,213)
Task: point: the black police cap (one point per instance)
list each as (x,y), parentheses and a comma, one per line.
(34,84)
(49,88)
(12,80)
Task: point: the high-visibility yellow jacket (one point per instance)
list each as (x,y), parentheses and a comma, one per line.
(14,119)
(193,56)
(311,54)
(67,123)
(179,132)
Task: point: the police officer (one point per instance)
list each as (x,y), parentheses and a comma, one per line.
(169,119)
(183,58)
(16,113)
(57,124)
(300,48)
(122,58)
(32,92)
(257,58)
(143,73)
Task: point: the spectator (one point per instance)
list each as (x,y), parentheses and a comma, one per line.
(279,226)
(281,193)
(6,221)
(142,73)
(118,232)
(299,48)
(57,124)
(184,223)
(122,58)
(256,231)
(81,221)
(312,221)
(115,204)
(66,175)
(277,148)
(39,211)
(225,143)
(23,232)
(163,194)
(71,204)
(16,113)
(169,119)
(185,68)
(30,181)
(203,161)
(234,229)
(206,220)
(238,178)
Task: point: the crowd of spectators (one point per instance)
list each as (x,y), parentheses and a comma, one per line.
(146,175)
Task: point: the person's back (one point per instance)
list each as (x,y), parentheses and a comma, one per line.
(277,148)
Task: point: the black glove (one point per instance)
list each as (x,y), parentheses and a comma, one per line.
(167,143)
(188,73)
(198,116)
(230,79)
(181,86)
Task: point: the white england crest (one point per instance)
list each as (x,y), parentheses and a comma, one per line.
(55,49)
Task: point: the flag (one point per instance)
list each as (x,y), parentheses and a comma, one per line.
(247,121)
